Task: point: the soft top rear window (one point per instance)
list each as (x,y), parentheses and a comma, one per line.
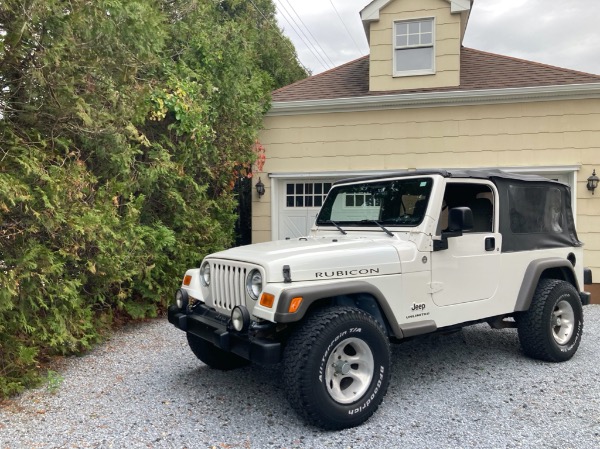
(535,210)
(400,202)
(535,215)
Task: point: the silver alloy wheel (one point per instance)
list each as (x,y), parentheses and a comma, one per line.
(563,322)
(349,370)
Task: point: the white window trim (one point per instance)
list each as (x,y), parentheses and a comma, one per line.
(405,73)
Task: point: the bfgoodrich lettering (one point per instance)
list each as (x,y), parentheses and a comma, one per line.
(344,273)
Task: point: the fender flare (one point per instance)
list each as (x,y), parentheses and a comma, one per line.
(312,294)
(534,273)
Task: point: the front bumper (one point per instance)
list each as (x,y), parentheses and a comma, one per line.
(213,327)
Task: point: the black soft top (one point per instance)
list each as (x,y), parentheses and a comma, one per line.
(489,174)
(535,212)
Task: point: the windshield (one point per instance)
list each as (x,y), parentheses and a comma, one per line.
(400,202)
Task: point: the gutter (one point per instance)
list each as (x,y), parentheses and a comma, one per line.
(437,99)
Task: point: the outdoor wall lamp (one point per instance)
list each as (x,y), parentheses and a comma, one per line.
(592,182)
(260,187)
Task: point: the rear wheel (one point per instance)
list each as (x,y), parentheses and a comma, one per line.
(552,327)
(336,367)
(214,357)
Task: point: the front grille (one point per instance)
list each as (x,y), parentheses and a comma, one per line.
(228,285)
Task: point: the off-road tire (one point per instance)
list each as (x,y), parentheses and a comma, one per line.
(214,357)
(322,392)
(552,327)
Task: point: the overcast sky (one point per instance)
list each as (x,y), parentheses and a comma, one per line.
(564,33)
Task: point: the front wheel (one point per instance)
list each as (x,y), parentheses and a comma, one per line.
(336,367)
(551,329)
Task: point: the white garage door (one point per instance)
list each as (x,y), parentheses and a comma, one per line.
(300,202)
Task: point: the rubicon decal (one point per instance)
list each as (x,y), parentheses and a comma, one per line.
(345,273)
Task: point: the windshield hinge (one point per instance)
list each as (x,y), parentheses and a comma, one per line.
(287,275)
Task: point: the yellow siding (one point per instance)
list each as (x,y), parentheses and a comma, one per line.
(447,46)
(262,207)
(552,133)
(586,223)
(592,242)
(261,223)
(261,210)
(260,236)
(415,7)
(521,111)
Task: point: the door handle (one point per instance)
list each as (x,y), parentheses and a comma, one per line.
(490,243)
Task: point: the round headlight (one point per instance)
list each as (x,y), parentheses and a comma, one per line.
(254,284)
(205,274)
(181,299)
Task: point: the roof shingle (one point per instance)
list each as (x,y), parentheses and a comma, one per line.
(479,70)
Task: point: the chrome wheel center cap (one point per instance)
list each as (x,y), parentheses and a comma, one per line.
(558,322)
(341,367)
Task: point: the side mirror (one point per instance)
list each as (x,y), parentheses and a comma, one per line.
(460,219)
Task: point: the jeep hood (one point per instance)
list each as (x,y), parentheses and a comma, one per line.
(313,259)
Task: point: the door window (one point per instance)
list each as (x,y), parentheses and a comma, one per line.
(477,197)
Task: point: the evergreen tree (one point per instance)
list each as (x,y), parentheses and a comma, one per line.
(123,126)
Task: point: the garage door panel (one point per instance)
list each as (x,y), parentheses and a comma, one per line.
(294,226)
(300,204)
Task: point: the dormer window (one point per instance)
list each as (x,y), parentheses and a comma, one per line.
(413,47)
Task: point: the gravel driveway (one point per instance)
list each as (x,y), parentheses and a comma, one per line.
(474,388)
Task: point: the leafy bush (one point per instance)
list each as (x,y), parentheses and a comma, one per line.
(123,124)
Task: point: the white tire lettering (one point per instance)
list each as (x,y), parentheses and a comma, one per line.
(373,395)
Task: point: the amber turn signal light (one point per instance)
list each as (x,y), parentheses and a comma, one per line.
(295,304)
(267,300)
(187,280)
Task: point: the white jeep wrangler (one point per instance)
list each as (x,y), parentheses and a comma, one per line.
(391,257)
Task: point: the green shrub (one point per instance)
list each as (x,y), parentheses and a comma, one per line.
(123,126)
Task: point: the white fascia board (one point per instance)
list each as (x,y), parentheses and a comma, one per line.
(437,99)
(370,13)
(458,6)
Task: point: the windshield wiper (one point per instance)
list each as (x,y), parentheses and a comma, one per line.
(387,231)
(337,226)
